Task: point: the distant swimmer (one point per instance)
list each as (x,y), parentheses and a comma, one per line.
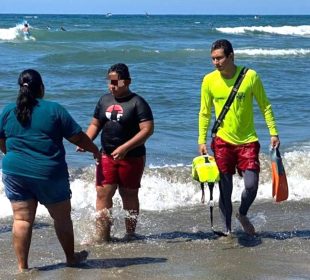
(26,30)
(62,29)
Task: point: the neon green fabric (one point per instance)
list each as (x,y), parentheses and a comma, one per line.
(238,124)
(204,169)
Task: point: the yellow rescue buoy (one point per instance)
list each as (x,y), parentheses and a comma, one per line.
(204,169)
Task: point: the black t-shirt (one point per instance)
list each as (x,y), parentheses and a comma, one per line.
(120,119)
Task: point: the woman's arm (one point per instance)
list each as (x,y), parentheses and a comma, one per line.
(92,132)
(84,142)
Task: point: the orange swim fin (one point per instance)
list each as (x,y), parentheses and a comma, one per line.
(279,181)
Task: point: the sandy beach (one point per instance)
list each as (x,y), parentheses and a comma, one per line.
(186,249)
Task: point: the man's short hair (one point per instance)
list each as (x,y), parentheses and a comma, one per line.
(121,69)
(223,44)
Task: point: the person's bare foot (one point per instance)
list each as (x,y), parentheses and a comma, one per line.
(27,270)
(246,224)
(102,236)
(79,257)
(103,230)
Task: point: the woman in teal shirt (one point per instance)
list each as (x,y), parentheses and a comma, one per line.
(34,167)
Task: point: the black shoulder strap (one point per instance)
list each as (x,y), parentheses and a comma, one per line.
(229,101)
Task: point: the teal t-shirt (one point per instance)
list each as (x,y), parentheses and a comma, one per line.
(37,150)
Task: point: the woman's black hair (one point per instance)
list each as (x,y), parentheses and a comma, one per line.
(31,88)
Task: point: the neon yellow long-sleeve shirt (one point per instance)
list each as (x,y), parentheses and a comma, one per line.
(238,124)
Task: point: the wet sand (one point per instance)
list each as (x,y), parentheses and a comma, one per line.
(179,244)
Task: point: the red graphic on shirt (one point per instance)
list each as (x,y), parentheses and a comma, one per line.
(114,113)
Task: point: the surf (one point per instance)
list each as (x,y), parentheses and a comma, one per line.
(286,30)
(171,186)
(273,52)
(15,34)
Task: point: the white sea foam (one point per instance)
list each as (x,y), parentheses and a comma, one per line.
(273,52)
(264,51)
(157,194)
(8,34)
(13,33)
(171,187)
(301,30)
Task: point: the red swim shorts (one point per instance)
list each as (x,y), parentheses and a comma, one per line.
(229,156)
(126,173)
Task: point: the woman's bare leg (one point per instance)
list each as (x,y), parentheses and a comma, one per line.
(23,214)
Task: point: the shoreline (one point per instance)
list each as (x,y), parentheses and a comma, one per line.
(180,251)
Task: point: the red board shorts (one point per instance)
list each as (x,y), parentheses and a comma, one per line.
(126,173)
(228,156)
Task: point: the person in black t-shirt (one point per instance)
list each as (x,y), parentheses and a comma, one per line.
(126,121)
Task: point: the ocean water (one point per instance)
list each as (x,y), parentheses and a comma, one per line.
(168,57)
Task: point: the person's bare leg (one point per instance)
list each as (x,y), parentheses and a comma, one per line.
(131,206)
(61,214)
(104,203)
(23,214)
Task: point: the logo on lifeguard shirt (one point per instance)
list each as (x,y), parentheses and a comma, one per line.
(114,113)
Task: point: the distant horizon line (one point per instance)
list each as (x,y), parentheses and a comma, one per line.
(150,14)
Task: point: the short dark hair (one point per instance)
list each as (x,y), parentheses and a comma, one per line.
(121,69)
(223,44)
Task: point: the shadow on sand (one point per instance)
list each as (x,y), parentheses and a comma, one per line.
(242,238)
(106,263)
(283,235)
(179,236)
